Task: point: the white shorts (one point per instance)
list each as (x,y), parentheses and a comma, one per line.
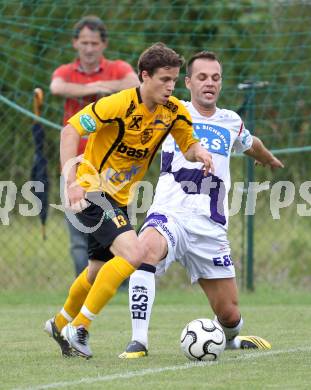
(196,242)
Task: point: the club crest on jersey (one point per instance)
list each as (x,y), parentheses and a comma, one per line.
(136,122)
(88,123)
(146,136)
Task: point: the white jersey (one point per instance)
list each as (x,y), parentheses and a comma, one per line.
(182,186)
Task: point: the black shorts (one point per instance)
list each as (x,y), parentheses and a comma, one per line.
(106,220)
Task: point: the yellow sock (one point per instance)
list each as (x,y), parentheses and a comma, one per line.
(77,294)
(108,279)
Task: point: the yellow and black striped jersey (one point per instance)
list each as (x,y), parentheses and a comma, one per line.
(124,137)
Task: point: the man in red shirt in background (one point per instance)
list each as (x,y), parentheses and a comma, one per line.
(81,82)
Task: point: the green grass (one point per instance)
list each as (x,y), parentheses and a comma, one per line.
(30,359)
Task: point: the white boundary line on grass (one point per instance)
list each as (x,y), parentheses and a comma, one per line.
(132,374)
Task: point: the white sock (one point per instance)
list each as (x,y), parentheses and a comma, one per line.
(141,298)
(231,334)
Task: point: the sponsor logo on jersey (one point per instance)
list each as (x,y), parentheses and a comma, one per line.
(146,136)
(88,123)
(214,138)
(132,152)
(121,176)
(136,122)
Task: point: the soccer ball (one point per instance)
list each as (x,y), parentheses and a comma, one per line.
(202,339)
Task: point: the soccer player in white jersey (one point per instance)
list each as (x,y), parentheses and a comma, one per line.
(188,219)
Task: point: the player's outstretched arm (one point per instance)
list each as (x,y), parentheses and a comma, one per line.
(262,155)
(196,153)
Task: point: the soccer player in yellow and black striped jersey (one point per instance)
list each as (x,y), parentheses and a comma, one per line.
(125,131)
(124,138)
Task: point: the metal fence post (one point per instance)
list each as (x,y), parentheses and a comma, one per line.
(248,107)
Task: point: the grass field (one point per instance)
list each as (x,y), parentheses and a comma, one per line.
(30,360)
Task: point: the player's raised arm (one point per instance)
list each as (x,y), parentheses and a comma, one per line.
(262,155)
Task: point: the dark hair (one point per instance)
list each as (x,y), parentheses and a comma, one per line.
(93,23)
(158,56)
(205,55)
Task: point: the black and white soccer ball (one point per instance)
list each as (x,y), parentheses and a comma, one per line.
(202,339)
